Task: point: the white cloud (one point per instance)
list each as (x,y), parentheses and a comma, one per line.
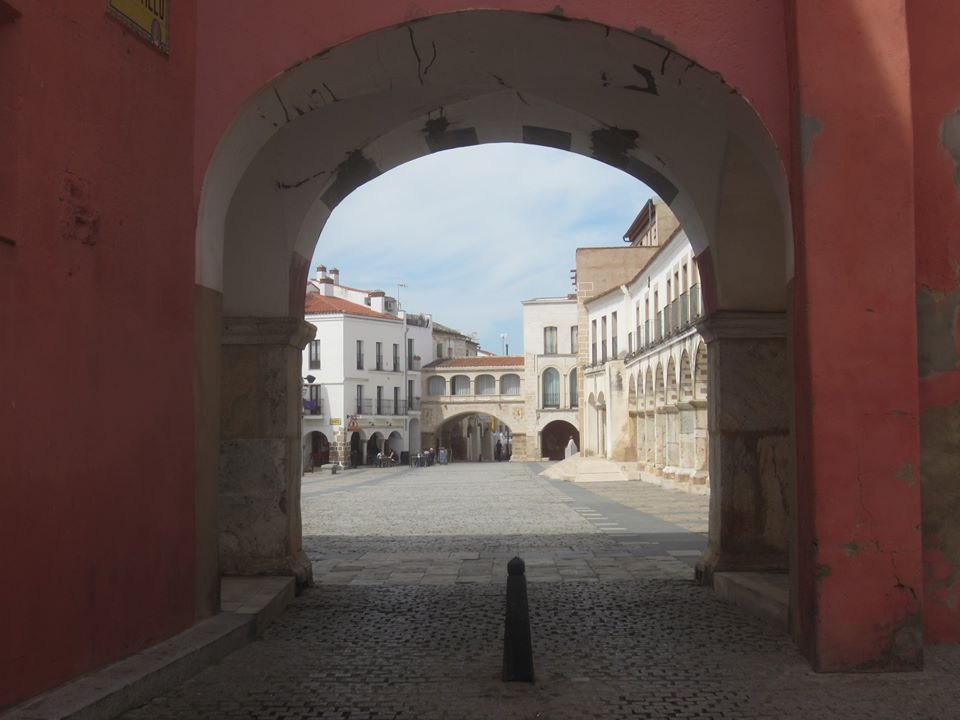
(474,231)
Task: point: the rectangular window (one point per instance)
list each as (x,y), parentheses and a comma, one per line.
(550,341)
(603,339)
(574,338)
(613,336)
(315,404)
(396,401)
(593,342)
(379,399)
(314,354)
(439,350)
(359,399)
(379,349)
(410,398)
(359,354)
(410,354)
(396,357)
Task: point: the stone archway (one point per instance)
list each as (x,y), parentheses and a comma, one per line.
(719,169)
(554,438)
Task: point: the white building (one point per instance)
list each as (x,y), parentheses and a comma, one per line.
(361,373)
(645,372)
(550,342)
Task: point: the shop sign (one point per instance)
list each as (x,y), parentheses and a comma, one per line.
(148,18)
(336,421)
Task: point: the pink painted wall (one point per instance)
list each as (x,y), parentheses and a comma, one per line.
(96,334)
(859,499)
(239,53)
(104,160)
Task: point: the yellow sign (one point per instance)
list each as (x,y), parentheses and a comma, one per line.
(149,18)
(336,421)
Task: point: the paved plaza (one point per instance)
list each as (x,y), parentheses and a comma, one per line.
(406,617)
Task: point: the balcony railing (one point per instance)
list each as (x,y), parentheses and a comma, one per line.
(364,407)
(695,310)
(658,334)
(414,404)
(359,361)
(551,400)
(413,363)
(379,362)
(593,354)
(613,347)
(313,407)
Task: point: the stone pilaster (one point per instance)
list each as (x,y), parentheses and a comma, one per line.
(261,414)
(339,450)
(749,424)
(701,443)
(687,421)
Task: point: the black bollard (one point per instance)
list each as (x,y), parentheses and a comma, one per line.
(517,647)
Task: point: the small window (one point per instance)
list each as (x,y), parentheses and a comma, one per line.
(510,385)
(439,350)
(574,339)
(461,385)
(550,341)
(314,354)
(485,385)
(551,388)
(436,386)
(359,354)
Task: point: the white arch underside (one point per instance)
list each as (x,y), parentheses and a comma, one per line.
(333,122)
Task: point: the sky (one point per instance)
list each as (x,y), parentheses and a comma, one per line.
(474,231)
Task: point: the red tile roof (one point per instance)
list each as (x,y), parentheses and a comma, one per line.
(320,304)
(468,362)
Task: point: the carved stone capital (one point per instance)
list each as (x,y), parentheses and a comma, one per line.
(734,325)
(295,332)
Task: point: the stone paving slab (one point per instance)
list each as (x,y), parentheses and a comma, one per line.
(648,649)
(407,617)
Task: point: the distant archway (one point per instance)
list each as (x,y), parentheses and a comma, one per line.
(554,439)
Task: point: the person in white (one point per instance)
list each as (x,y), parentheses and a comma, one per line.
(571,448)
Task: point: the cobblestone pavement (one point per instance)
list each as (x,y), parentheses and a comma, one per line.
(406,621)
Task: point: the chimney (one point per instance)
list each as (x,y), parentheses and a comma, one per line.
(335,274)
(321,272)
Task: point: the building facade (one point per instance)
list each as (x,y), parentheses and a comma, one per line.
(472,403)
(361,374)
(551,336)
(645,373)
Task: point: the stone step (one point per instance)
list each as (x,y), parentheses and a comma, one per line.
(248,605)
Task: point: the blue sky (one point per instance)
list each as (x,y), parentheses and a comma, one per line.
(473,231)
